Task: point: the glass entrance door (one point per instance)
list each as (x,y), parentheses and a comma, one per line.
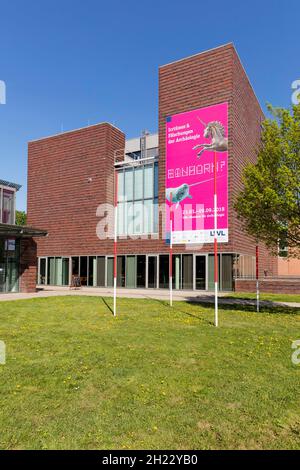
(9,266)
(2,275)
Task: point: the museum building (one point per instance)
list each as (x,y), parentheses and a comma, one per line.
(72,183)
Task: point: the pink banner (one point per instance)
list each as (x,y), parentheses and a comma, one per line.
(192,138)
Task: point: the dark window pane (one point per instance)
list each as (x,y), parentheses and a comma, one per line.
(152,272)
(211,270)
(75,266)
(141,271)
(92,271)
(121,271)
(110,272)
(200,272)
(227,272)
(101,271)
(187,271)
(163,271)
(42,277)
(83,270)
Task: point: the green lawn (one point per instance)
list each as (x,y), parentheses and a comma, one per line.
(271,297)
(155,377)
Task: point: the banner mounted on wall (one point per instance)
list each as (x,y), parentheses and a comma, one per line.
(192,138)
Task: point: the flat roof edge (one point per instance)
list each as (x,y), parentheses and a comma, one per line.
(75,130)
(197,54)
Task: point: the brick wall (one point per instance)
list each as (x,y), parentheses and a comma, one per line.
(69,176)
(61,200)
(28,265)
(275,286)
(207,79)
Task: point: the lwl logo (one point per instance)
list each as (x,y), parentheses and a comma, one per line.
(2,92)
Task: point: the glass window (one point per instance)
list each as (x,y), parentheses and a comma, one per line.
(176,268)
(155,179)
(9,265)
(121,218)
(187,271)
(148,182)
(138,213)
(42,272)
(200,272)
(141,271)
(211,270)
(101,271)
(83,270)
(92,278)
(51,271)
(138,210)
(138,183)
(12,275)
(131,271)
(65,271)
(8,207)
(152,272)
(110,272)
(129,217)
(128,190)
(121,271)
(155,216)
(120,185)
(163,271)
(75,266)
(148,216)
(58,271)
(227,272)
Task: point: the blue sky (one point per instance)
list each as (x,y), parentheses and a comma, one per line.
(71,62)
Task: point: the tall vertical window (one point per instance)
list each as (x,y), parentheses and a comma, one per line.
(7,206)
(138,199)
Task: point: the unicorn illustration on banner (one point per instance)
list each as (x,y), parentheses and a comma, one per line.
(215,131)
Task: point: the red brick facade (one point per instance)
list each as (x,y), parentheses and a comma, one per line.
(207,79)
(282,286)
(69,175)
(28,265)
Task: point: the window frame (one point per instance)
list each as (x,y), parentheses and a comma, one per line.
(13,191)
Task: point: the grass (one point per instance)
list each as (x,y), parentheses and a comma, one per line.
(152,378)
(270,297)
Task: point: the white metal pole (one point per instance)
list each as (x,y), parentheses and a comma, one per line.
(171,264)
(115,243)
(257,279)
(171,255)
(216,241)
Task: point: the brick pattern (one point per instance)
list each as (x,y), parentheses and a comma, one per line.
(69,176)
(28,265)
(61,200)
(282,286)
(207,79)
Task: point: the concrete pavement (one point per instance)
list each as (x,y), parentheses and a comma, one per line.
(159,294)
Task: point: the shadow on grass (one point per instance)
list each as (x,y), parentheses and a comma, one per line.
(179,310)
(107,305)
(246,305)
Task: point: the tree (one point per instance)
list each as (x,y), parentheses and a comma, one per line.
(21,218)
(269,205)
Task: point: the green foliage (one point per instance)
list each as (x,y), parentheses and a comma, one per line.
(21,218)
(269,205)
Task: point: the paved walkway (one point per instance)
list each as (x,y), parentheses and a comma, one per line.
(159,294)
